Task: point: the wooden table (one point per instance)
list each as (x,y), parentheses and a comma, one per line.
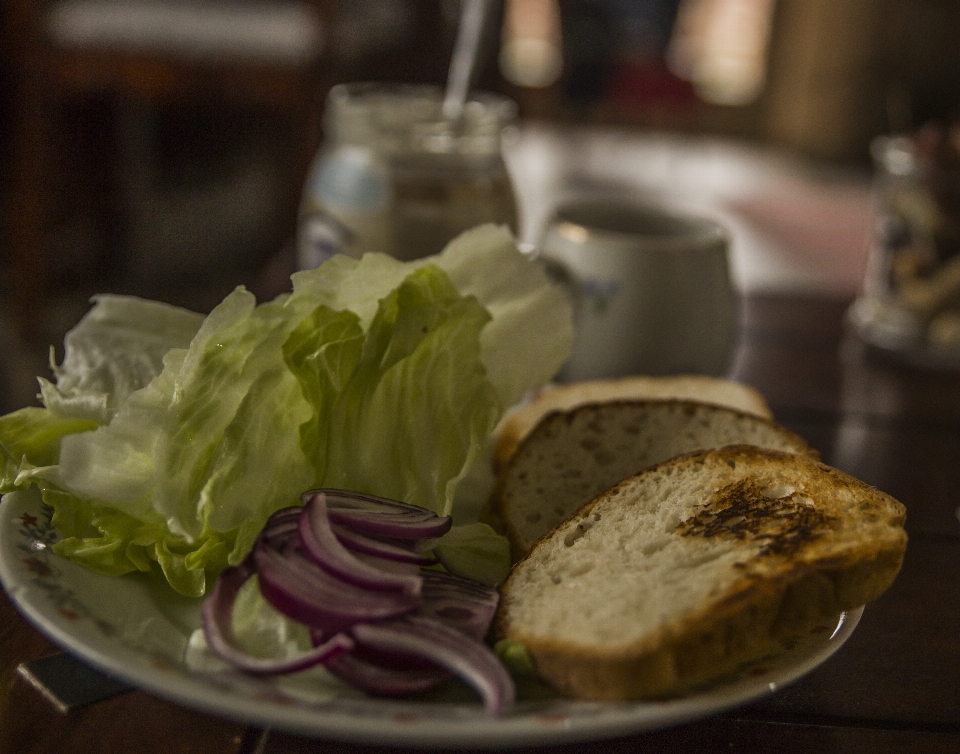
(894,687)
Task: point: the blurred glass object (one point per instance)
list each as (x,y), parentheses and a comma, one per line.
(531,49)
(910,302)
(395,176)
(287,31)
(721,46)
(613,58)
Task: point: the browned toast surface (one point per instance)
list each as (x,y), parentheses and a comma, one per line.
(686,571)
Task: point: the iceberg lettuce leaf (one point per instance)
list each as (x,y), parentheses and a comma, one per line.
(32,435)
(115,462)
(531,327)
(530,316)
(115,350)
(415,406)
(323,354)
(168,455)
(475,551)
(229,434)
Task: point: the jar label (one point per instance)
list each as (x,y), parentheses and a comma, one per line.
(319,237)
(352,180)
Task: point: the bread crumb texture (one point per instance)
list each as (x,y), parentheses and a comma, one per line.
(573,456)
(689,569)
(691,387)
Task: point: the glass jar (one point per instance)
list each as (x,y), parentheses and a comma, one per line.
(395,176)
(909,305)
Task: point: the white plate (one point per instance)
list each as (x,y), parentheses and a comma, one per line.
(136,631)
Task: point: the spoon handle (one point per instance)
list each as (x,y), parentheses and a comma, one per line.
(464,60)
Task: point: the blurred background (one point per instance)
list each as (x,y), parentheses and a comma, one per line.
(159,147)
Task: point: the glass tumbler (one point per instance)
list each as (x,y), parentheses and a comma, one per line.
(394,176)
(909,305)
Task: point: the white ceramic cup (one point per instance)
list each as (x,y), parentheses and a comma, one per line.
(651,289)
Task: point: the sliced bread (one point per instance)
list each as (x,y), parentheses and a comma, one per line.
(681,574)
(696,387)
(572,456)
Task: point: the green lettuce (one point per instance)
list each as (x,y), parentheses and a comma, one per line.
(115,350)
(415,369)
(31,438)
(169,438)
(475,550)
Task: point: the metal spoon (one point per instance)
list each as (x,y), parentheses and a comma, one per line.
(464,60)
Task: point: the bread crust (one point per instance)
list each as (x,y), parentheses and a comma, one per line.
(705,389)
(776,597)
(503,518)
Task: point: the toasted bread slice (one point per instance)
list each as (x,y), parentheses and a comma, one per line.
(573,456)
(681,574)
(696,387)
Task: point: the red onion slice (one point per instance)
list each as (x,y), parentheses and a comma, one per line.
(398,526)
(387,661)
(364,501)
(217,617)
(345,565)
(381,681)
(411,569)
(446,647)
(305,592)
(381,517)
(399,550)
(282,522)
(465,605)
(322,546)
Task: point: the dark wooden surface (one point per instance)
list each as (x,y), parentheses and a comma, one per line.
(894,687)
